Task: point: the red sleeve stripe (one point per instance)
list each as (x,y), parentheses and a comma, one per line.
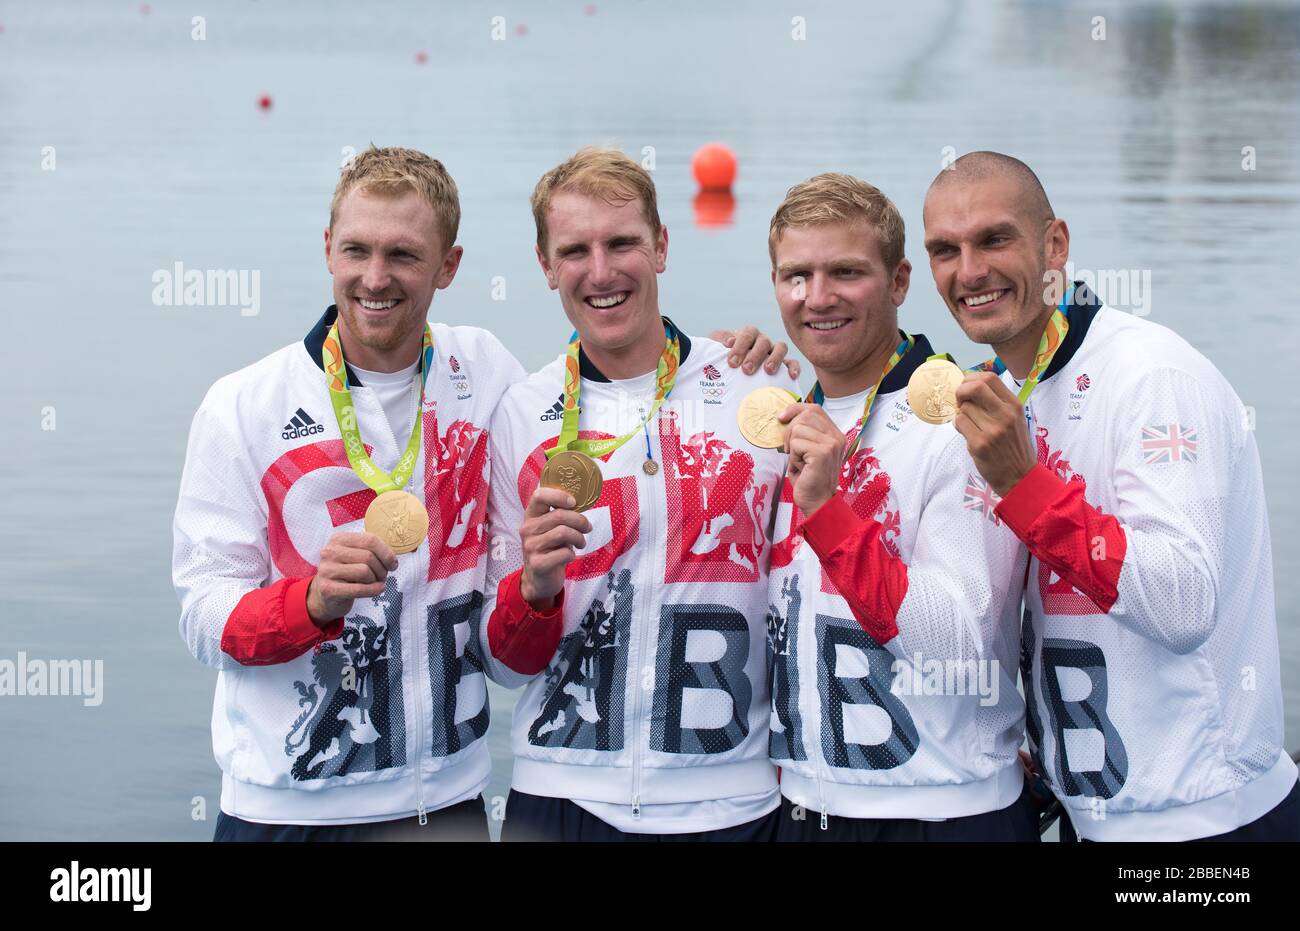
(872,580)
(521,638)
(271,625)
(1065,532)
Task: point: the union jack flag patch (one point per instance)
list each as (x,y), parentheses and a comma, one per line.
(1169,443)
(980,497)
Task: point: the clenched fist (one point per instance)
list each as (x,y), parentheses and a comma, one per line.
(352,566)
(992,420)
(551,536)
(816,447)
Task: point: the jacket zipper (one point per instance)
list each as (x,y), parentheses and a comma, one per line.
(419,724)
(815,752)
(415,676)
(638,636)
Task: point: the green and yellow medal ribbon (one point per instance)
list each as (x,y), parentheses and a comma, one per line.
(665,377)
(341,399)
(817,396)
(1051,340)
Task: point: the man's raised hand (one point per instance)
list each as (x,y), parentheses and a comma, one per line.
(551,535)
(352,566)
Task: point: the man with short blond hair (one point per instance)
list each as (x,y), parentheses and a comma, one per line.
(350,702)
(595,171)
(632,618)
(893,610)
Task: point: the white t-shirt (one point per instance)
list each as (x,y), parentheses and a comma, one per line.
(845,411)
(398,394)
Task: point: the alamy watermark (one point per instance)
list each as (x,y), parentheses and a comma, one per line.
(25,676)
(919,676)
(80,883)
(209,287)
(1122,288)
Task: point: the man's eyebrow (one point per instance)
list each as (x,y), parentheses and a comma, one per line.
(402,246)
(1004,228)
(845,262)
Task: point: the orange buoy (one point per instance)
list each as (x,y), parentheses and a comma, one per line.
(714,167)
(264,101)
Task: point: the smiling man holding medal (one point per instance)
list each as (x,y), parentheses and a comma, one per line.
(1150,654)
(330,545)
(628,590)
(892,626)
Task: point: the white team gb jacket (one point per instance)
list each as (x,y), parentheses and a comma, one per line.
(386,720)
(657,693)
(1151,658)
(893,628)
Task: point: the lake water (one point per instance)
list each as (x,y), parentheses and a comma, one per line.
(160,154)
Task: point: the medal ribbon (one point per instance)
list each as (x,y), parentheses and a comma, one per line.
(817,396)
(1051,340)
(665,377)
(341,399)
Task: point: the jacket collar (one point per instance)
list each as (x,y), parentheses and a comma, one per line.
(314,340)
(898,377)
(1079,315)
(587,369)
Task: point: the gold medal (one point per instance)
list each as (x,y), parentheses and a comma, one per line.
(399,519)
(932,390)
(758,416)
(574,473)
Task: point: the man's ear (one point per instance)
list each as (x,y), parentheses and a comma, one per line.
(1056,244)
(902,281)
(546,268)
(329,263)
(661,250)
(450,264)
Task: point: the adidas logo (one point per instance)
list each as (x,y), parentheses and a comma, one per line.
(300,425)
(556,411)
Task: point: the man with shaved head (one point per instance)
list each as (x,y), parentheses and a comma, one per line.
(1123,460)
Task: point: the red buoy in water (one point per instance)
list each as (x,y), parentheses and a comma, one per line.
(421,58)
(521,30)
(264,101)
(714,167)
